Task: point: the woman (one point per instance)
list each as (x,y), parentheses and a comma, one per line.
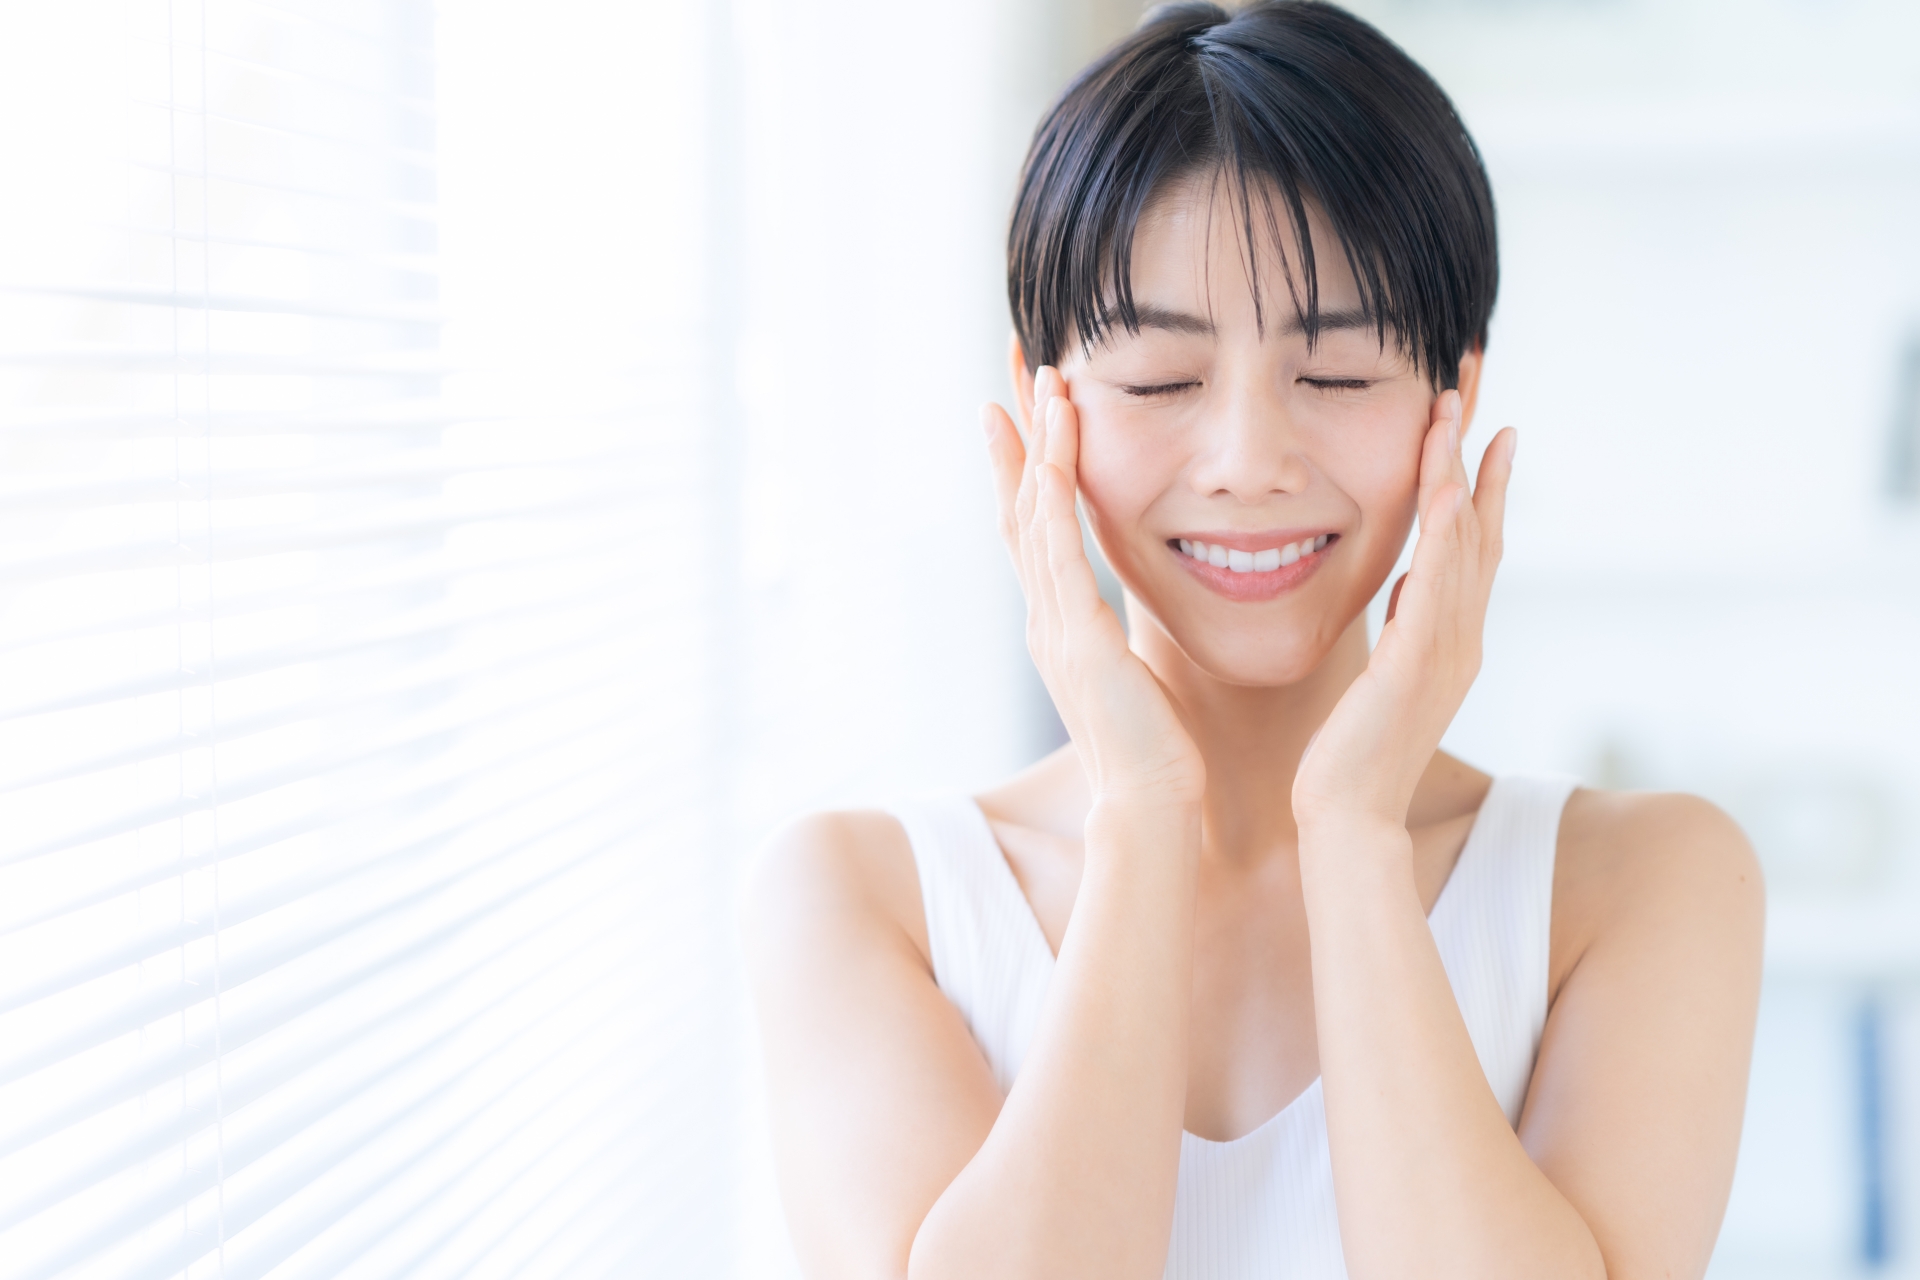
(1252,979)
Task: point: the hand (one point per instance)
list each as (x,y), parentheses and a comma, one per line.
(1370,754)
(1123,725)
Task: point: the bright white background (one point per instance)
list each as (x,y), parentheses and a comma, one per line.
(679,323)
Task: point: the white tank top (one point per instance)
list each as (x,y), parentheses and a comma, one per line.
(1262,1204)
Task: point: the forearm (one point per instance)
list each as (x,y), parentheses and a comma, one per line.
(1430,1178)
(1077,1175)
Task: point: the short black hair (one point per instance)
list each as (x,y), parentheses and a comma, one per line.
(1292,99)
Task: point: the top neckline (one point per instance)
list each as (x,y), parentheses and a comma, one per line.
(1037,938)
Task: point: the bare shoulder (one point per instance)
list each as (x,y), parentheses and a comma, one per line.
(1634,863)
(1634,1107)
(830,880)
(877,1094)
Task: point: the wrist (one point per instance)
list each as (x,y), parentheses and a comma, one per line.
(1352,835)
(1354,864)
(1135,821)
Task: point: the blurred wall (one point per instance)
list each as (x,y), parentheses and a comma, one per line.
(1711,285)
(871,157)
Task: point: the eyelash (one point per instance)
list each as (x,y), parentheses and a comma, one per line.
(1165,388)
(1319,384)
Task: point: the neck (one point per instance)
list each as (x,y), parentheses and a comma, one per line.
(1250,737)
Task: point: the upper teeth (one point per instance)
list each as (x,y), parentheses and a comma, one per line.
(1252,561)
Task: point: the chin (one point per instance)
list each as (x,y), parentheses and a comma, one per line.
(1265,657)
(1264,666)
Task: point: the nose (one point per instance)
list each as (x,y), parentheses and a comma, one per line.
(1249,448)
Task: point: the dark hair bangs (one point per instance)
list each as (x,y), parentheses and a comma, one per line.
(1293,104)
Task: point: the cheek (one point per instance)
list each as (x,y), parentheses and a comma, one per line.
(1388,484)
(1383,479)
(1122,471)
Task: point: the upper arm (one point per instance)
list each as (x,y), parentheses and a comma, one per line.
(878,1094)
(1637,1096)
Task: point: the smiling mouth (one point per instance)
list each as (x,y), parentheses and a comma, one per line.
(1250,574)
(1263,561)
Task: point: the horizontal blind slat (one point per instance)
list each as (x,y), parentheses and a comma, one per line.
(223,548)
(237,911)
(396,750)
(433,622)
(243,1211)
(238,1033)
(143,1010)
(412,1212)
(413,574)
(257,305)
(449,1239)
(401,804)
(154,489)
(310,1224)
(165,1201)
(242,1091)
(352,1254)
(418,680)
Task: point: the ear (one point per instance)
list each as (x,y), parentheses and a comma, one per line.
(1022,383)
(1469,387)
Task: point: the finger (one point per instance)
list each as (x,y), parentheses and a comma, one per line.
(1043,607)
(1440,523)
(1393,600)
(1467,519)
(1436,465)
(1063,438)
(1076,589)
(1026,400)
(1042,392)
(1037,433)
(1436,559)
(1456,435)
(1044,384)
(1490,492)
(1006,457)
(1076,593)
(1036,429)
(1044,631)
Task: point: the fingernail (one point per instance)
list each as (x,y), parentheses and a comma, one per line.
(1053,412)
(1513,443)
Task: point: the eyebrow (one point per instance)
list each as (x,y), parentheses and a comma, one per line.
(1171,321)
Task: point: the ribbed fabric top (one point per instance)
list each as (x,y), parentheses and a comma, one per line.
(1262,1204)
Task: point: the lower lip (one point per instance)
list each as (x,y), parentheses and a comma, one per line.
(1253,586)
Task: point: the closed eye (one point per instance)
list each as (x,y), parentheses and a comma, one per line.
(1158,388)
(1338,384)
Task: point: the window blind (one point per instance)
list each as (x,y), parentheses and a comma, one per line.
(352,794)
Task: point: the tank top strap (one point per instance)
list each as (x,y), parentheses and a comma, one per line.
(1493,928)
(989,956)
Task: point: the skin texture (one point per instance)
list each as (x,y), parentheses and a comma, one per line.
(1232,919)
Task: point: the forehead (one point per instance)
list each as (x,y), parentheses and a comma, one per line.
(1201,246)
